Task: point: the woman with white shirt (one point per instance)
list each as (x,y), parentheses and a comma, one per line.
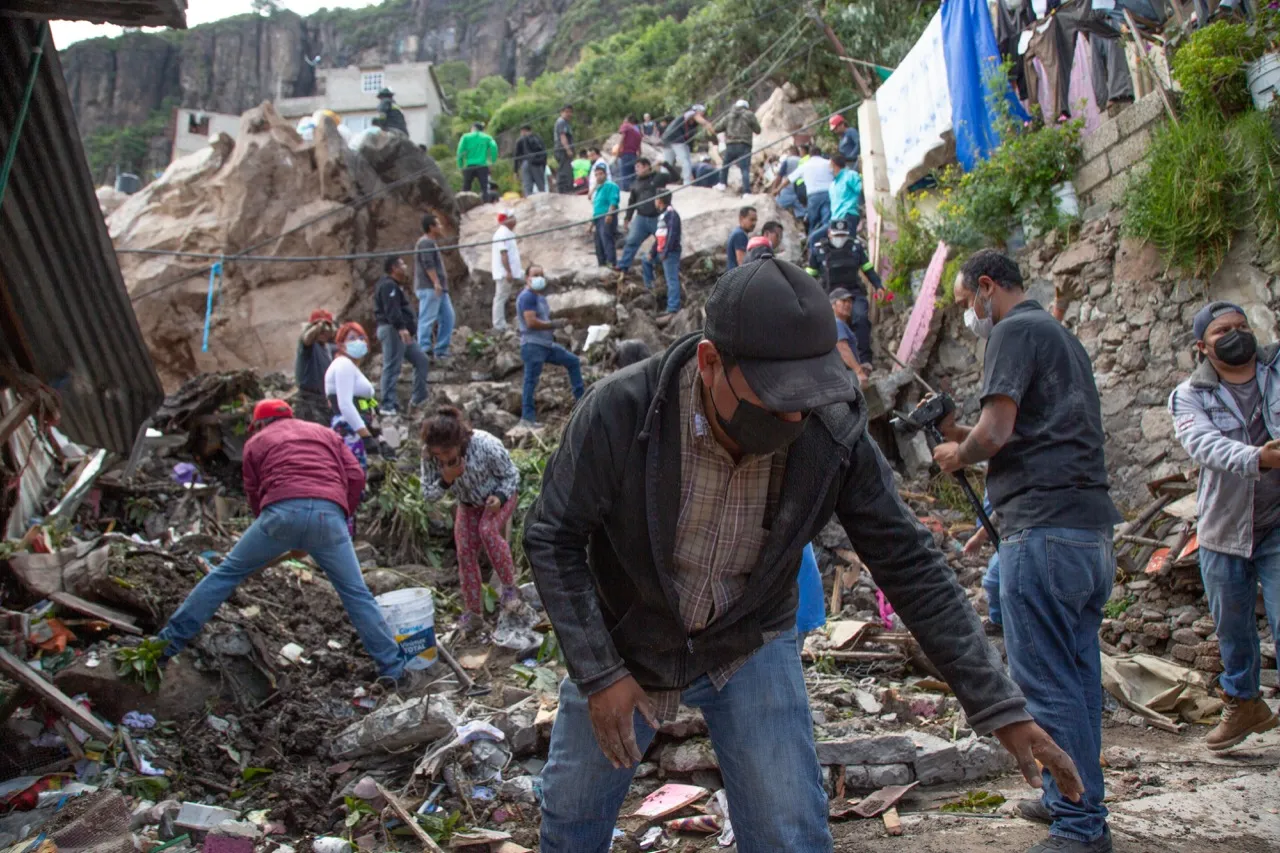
(351,396)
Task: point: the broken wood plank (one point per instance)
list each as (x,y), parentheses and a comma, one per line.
(1140,540)
(51,696)
(14,418)
(845,632)
(115,618)
(73,745)
(885,798)
(414,827)
(1139,524)
(892,823)
(130,748)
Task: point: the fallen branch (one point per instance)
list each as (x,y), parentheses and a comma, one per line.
(403,813)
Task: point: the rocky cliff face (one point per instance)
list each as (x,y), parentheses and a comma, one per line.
(231,65)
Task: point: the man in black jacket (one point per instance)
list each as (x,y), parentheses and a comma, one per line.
(666,543)
(642,212)
(530,161)
(396,322)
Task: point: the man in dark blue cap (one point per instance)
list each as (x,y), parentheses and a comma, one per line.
(666,544)
(1041,429)
(1227,416)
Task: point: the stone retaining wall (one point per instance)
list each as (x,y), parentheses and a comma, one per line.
(1113,150)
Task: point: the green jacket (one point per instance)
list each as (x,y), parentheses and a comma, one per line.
(476,148)
(738,126)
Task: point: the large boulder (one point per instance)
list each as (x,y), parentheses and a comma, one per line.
(242,195)
(567,254)
(781,115)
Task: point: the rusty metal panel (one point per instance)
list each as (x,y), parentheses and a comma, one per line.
(65,312)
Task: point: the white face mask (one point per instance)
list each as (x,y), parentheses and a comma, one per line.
(356,349)
(838,240)
(537,282)
(980,326)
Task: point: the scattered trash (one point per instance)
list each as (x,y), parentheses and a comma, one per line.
(293,652)
(137,720)
(330,844)
(652,838)
(202,818)
(707,823)
(669,798)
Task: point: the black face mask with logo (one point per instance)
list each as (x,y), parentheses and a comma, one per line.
(757,430)
(1236,347)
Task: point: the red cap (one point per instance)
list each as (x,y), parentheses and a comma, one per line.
(835,121)
(321,314)
(272,408)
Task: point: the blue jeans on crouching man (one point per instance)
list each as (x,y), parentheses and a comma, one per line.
(316,526)
(536,355)
(642,228)
(1231,585)
(670,271)
(762,732)
(1053,584)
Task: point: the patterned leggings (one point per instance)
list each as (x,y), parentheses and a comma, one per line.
(473,528)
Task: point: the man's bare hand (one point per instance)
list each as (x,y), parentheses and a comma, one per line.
(1270,456)
(613,718)
(975,542)
(1028,743)
(947,455)
(405,336)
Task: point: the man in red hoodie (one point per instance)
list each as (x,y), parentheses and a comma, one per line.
(303,484)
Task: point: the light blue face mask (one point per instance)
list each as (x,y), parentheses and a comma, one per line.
(357,349)
(538,282)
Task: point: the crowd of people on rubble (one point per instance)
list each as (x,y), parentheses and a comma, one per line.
(671,538)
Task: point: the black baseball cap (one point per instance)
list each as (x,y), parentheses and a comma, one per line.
(773,320)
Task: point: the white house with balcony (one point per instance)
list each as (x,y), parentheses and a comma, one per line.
(352,93)
(195,129)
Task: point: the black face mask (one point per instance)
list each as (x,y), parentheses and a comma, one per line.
(757,431)
(1236,347)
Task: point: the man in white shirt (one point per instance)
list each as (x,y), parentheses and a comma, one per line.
(506,266)
(597,162)
(817,177)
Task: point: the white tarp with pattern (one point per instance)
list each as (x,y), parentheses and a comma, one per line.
(915,107)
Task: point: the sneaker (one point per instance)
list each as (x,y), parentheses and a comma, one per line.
(1054,844)
(407,681)
(1240,718)
(510,599)
(529,424)
(721,187)
(1034,810)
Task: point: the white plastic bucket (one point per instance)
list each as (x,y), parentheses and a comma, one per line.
(1263,75)
(411,615)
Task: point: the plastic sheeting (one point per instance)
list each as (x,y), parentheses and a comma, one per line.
(972,56)
(915,108)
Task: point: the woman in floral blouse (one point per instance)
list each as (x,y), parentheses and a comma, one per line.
(476,469)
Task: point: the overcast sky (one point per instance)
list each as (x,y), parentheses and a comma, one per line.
(198,12)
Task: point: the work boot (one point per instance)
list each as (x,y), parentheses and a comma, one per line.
(407,682)
(1034,810)
(1240,718)
(1054,844)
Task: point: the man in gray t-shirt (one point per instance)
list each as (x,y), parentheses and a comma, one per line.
(431,283)
(1266,491)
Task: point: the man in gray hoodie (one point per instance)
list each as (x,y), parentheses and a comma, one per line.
(1227,416)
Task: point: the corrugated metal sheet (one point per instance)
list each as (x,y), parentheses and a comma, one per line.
(65,315)
(127,13)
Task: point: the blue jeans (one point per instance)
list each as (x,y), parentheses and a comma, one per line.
(860,322)
(1053,584)
(642,228)
(394,352)
(733,152)
(787,198)
(670,271)
(606,242)
(762,732)
(316,526)
(536,355)
(432,308)
(1231,585)
(627,162)
(991,585)
(818,211)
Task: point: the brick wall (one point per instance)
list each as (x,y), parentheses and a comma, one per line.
(1112,151)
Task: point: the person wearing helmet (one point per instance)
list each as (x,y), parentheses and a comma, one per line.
(352,400)
(303,484)
(850,144)
(739,127)
(389,115)
(845,265)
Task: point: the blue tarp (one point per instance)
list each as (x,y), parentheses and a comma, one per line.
(969,45)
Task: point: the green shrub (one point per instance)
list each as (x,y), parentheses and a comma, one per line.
(1210,67)
(911,250)
(1184,202)
(1255,150)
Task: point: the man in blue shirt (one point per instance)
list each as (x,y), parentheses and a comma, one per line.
(846,340)
(604,207)
(850,142)
(538,344)
(736,248)
(666,249)
(846,199)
